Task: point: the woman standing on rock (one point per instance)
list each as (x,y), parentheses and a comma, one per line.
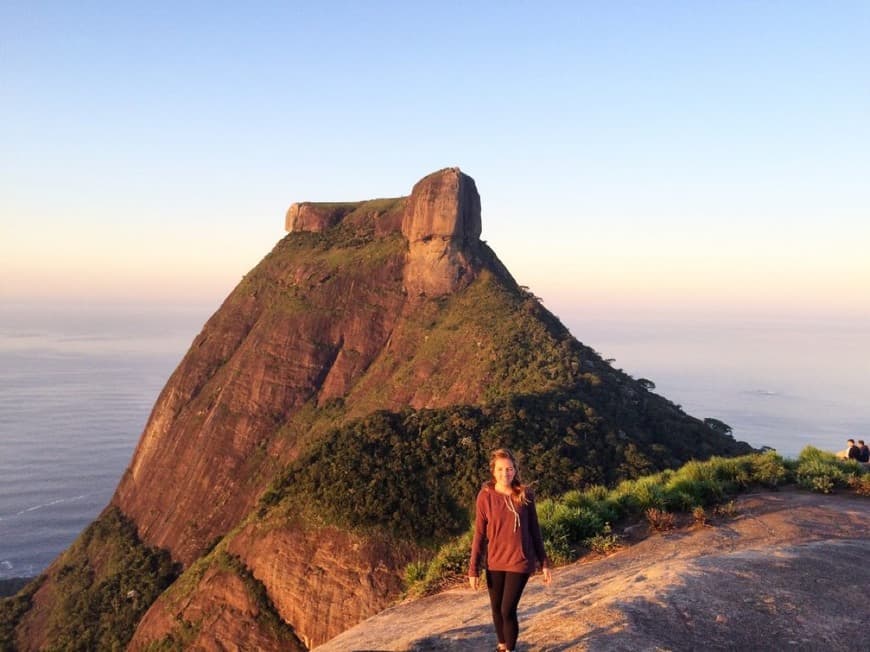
(506,531)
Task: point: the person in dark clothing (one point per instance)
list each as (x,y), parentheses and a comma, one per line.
(507,533)
(852,451)
(864,452)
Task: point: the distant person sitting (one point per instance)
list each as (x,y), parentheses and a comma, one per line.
(864,452)
(852,451)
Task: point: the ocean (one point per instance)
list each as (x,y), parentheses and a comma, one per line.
(77,386)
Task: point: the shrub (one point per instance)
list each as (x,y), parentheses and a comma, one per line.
(556,544)
(683,494)
(659,519)
(698,471)
(576,499)
(769,469)
(605,542)
(649,492)
(822,483)
(726,510)
(576,522)
(415,572)
(821,471)
(861,484)
(448,566)
(733,473)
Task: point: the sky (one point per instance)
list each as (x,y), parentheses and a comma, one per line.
(632,157)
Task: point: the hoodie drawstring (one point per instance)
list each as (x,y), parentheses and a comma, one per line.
(510,505)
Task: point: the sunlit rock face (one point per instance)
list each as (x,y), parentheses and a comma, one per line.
(442,225)
(308,216)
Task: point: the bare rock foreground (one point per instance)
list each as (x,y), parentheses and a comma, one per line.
(791,571)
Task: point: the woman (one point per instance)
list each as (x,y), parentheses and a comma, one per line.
(506,530)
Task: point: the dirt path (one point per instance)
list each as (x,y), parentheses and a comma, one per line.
(790,572)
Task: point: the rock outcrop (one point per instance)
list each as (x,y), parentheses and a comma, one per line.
(442,224)
(221,604)
(309,216)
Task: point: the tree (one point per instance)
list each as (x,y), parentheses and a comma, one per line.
(719,426)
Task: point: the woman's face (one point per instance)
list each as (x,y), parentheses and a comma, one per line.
(503,471)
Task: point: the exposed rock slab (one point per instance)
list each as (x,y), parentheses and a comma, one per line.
(225,617)
(310,216)
(442,225)
(789,572)
(323,579)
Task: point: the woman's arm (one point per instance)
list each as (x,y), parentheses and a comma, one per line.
(537,538)
(477,542)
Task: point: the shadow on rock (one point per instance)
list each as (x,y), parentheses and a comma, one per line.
(461,639)
(807,597)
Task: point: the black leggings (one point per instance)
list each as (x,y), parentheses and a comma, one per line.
(505,589)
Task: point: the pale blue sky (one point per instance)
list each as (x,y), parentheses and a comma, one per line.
(655,155)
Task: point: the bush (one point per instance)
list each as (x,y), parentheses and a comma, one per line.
(448,566)
(649,492)
(557,544)
(415,572)
(577,522)
(605,542)
(698,471)
(726,510)
(769,469)
(821,483)
(660,520)
(861,484)
(822,472)
(684,494)
(733,473)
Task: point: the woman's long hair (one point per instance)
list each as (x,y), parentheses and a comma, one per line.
(519,495)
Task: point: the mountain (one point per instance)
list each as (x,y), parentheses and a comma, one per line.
(330,424)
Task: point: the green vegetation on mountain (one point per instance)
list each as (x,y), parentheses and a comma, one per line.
(104,584)
(12,609)
(416,472)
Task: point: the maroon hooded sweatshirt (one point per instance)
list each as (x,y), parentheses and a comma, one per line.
(506,534)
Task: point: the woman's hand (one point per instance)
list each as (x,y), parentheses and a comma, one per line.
(472,582)
(547,576)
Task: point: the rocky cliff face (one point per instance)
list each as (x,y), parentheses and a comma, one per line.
(442,225)
(285,338)
(300,330)
(387,304)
